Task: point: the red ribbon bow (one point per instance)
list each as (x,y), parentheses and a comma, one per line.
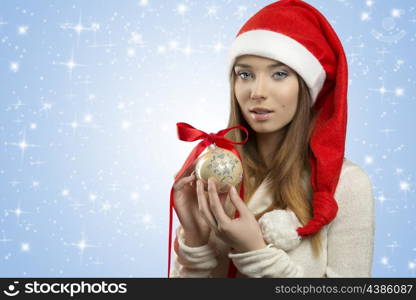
(188,133)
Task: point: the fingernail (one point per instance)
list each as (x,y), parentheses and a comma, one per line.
(233,190)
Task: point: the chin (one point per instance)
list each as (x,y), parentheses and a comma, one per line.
(263,128)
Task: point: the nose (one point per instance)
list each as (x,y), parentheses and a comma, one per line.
(259,88)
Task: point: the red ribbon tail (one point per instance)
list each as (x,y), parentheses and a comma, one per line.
(191,158)
(170,228)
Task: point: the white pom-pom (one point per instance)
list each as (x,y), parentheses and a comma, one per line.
(279,227)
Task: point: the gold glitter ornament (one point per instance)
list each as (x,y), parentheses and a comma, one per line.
(221,164)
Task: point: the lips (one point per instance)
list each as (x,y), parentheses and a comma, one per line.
(260,110)
(260,113)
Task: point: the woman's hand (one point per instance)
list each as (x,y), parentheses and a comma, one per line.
(196,230)
(243,233)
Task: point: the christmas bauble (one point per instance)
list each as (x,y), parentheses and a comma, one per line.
(221,164)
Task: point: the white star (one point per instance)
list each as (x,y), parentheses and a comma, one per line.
(387,131)
(46,106)
(218,47)
(161,49)
(25,247)
(79,28)
(106,206)
(365,16)
(381,198)
(212,10)
(91,97)
(22,30)
(149,110)
(382,90)
(173,44)
(125,125)
(143,2)
(131,52)
(14,66)
(88,118)
(182,9)
(399,92)
(369,160)
(399,171)
(71,64)
(147,218)
(121,106)
(395,13)
(393,245)
(404,186)
(23,145)
(95,26)
(135,38)
(241,11)
(369,3)
(188,50)
(82,245)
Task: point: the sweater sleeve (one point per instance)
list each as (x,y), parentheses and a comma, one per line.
(269,262)
(351,233)
(192,261)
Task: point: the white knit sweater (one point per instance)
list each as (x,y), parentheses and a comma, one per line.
(347,241)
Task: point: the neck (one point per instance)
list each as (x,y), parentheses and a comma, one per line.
(267,144)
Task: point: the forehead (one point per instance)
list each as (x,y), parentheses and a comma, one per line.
(252,57)
(256,61)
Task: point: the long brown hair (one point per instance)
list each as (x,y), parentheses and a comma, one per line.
(287,179)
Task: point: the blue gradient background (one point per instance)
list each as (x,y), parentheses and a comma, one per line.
(91,92)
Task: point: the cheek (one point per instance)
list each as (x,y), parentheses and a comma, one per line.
(241,95)
(289,99)
(239,91)
(289,106)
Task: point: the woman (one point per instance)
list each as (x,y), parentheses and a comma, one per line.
(308,212)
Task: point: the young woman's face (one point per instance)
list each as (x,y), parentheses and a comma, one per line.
(266,91)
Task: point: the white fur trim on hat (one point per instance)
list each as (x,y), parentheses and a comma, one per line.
(279,228)
(282,48)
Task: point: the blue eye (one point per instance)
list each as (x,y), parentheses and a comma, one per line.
(240,73)
(284,73)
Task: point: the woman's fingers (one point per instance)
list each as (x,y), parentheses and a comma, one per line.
(181,182)
(223,197)
(239,203)
(216,205)
(203,205)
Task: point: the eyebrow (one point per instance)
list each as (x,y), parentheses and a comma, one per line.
(269,66)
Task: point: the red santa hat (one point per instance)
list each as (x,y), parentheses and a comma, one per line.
(298,35)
